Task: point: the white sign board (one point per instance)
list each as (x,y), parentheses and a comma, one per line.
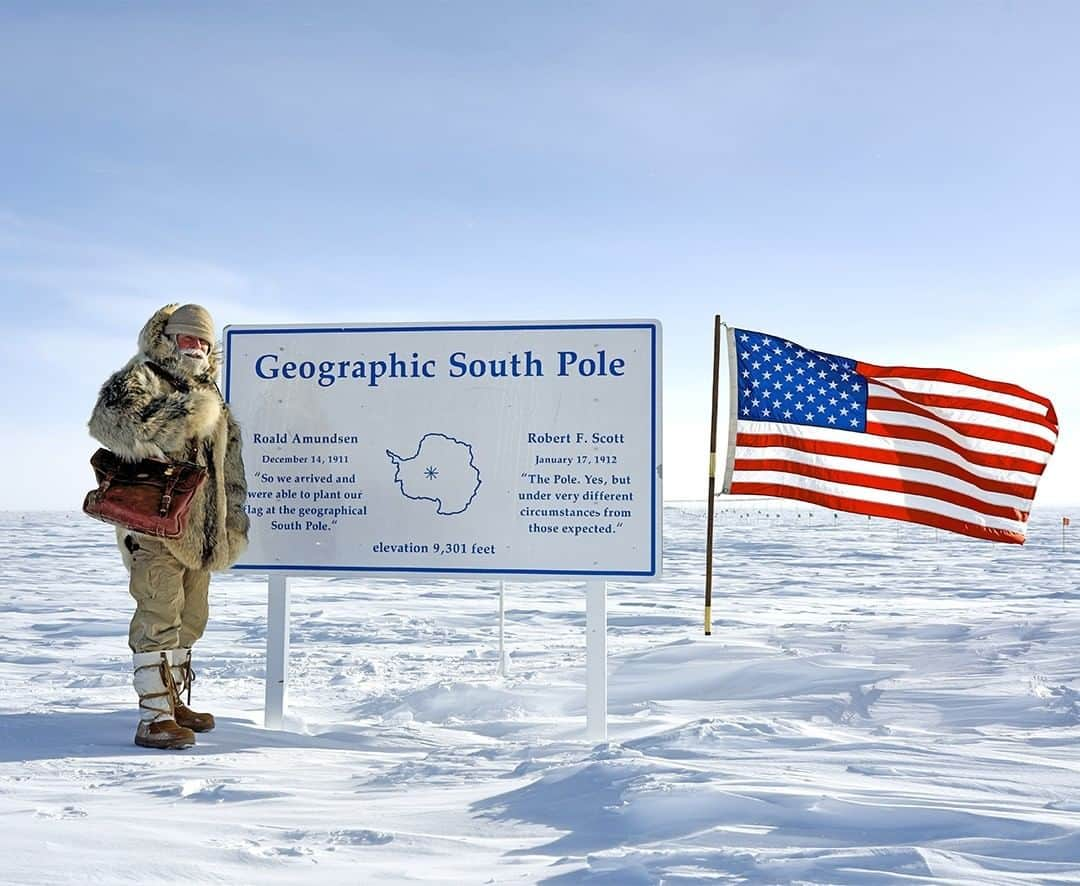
(509,449)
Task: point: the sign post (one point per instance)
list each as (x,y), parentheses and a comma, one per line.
(502,668)
(513,451)
(596,661)
(277,651)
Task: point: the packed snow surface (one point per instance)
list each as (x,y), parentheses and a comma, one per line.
(878,703)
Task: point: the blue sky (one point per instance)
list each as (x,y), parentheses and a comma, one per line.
(895,183)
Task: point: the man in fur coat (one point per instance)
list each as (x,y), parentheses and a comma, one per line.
(165,404)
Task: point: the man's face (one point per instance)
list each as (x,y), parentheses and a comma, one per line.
(192,343)
(194,353)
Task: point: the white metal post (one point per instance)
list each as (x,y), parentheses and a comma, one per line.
(502,623)
(596,660)
(277,651)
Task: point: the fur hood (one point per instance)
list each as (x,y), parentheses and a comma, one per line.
(153,407)
(156,346)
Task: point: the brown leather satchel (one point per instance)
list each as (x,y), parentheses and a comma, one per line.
(149,496)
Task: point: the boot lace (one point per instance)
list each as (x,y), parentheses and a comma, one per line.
(189,678)
(167,680)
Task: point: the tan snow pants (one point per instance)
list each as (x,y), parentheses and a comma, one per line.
(171,606)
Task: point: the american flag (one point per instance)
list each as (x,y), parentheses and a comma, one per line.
(931,446)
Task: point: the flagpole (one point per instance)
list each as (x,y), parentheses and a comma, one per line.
(717,332)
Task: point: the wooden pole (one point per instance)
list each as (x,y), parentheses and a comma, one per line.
(717,332)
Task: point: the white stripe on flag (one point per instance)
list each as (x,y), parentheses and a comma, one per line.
(972,444)
(876,469)
(889,444)
(953,389)
(881,496)
(971,416)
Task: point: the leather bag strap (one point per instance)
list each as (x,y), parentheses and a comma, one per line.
(173,474)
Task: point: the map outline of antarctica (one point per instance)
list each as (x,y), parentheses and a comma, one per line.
(438,466)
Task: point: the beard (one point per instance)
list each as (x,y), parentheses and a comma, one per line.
(194,361)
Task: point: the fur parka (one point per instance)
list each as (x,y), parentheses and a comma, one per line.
(141,414)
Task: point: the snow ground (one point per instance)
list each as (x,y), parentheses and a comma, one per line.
(877,704)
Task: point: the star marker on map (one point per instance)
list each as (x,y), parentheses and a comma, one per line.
(442,470)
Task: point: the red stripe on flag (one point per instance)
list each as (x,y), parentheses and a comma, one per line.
(889,484)
(887,457)
(871,370)
(980,432)
(874,509)
(972,404)
(986,459)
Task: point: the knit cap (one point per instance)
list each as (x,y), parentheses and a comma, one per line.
(191,320)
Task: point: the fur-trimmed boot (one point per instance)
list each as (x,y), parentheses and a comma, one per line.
(154,684)
(183,676)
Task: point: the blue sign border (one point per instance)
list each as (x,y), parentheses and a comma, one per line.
(657,509)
